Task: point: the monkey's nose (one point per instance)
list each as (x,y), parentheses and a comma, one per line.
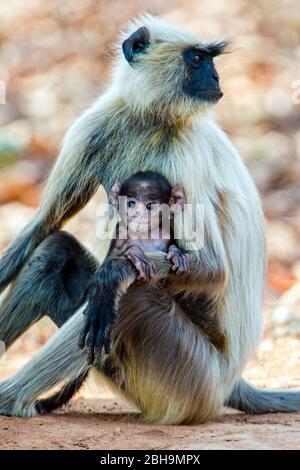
(139,216)
(215,76)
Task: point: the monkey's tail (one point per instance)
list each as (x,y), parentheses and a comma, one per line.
(59,360)
(14,258)
(252,400)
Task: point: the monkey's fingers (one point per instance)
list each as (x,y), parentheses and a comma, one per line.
(146,269)
(90,343)
(84,333)
(170,255)
(98,356)
(151,269)
(173,252)
(138,266)
(107,343)
(186,262)
(104,348)
(102,341)
(90,356)
(142,270)
(180,269)
(175,261)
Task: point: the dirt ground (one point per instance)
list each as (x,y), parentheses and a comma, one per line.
(102,421)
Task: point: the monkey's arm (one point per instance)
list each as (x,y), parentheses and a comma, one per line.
(115,274)
(208,272)
(74,179)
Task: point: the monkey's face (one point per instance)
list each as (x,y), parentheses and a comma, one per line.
(143,209)
(142,215)
(202,80)
(168,70)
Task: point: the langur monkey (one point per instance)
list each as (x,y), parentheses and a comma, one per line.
(179,347)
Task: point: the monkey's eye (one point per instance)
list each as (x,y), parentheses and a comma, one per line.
(150,206)
(138,47)
(196,60)
(131,203)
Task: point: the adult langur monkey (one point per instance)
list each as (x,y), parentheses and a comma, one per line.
(153,116)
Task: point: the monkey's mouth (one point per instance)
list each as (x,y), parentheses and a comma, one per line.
(210,95)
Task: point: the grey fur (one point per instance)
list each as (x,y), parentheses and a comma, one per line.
(14,257)
(253,400)
(19,393)
(57,273)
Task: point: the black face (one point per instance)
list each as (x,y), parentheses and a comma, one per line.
(203,79)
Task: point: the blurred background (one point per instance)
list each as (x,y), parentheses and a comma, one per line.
(54,60)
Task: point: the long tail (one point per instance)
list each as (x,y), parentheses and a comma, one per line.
(59,360)
(249,399)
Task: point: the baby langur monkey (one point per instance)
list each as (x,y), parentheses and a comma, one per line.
(140,202)
(142,228)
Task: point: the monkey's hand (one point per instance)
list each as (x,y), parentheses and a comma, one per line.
(99,319)
(141,262)
(179,258)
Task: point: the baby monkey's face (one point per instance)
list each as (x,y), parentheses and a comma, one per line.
(144,208)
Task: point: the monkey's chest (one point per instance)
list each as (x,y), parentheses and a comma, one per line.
(160,150)
(147,245)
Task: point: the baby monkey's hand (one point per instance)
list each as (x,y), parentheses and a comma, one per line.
(179,258)
(142,264)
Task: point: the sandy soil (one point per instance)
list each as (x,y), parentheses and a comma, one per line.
(104,422)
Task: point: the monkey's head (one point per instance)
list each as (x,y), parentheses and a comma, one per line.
(163,69)
(143,195)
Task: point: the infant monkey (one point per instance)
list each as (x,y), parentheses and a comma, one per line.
(142,228)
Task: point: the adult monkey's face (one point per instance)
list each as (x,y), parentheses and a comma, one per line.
(202,81)
(170,70)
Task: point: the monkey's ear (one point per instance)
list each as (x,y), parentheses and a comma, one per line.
(136,43)
(177,196)
(116,187)
(113,199)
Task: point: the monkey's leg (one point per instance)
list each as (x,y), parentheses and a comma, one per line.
(49,404)
(51,283)
(173,341)
(169,368)
(59,361)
